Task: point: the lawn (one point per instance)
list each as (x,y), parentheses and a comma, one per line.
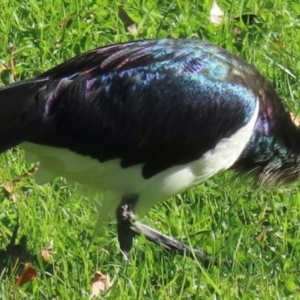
(256,230)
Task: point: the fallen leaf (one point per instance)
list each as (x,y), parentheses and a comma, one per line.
(66,22)
(100,283)
(129,24)
(8,187)
(46,254)
(28,274)
(216,14)
(132,29)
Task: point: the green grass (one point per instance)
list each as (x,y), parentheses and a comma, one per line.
(258,230)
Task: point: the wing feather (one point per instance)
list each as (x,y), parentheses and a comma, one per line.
(158,103)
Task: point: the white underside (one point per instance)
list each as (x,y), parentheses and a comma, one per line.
(110,177)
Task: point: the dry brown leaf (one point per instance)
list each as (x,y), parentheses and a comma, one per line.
(295,119)
(66,22)
(46,254)
(100,283)
(28,274)
(129,24)
(8,186)
(132,29)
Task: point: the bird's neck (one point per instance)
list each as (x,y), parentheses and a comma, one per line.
(273,153)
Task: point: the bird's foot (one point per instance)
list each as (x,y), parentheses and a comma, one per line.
(169,243)
(128,226)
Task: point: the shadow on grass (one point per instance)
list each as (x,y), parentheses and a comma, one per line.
(16,255)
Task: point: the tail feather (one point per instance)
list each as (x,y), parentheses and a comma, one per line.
(21,108)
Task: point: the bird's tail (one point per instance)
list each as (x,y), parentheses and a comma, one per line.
(21,104)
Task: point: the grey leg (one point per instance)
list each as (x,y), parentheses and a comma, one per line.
(128,227)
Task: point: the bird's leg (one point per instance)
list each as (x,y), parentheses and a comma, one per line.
(128,227)
(125,216)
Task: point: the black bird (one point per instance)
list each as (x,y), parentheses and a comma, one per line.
(146,120)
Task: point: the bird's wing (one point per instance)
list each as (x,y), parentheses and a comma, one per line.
(158,103)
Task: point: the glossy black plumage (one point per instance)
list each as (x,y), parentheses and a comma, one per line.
(137,102)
